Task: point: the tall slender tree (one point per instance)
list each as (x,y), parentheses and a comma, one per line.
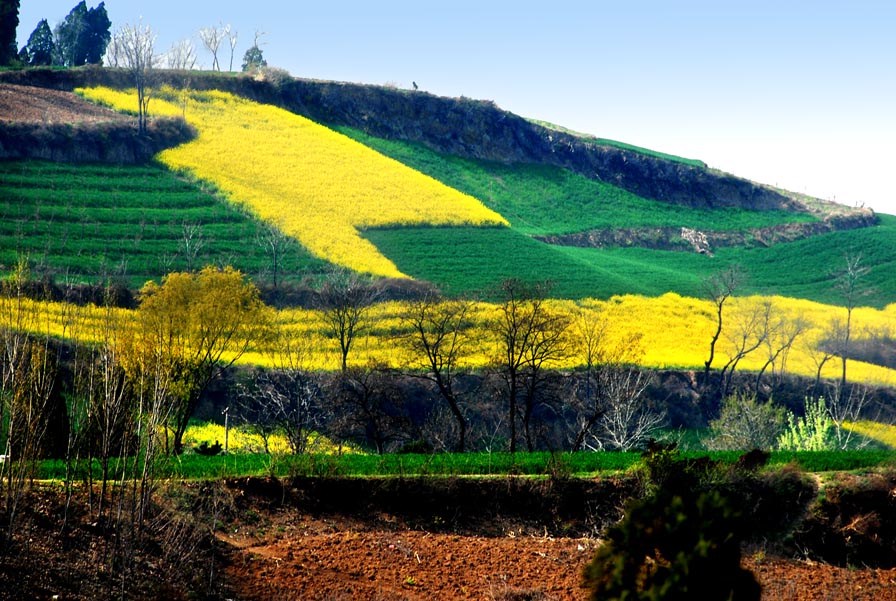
(83,35)
(40,47)
(9,21)
(96,34)
(133,49)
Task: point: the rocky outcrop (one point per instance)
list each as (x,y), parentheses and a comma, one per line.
(705,241)
(480,130)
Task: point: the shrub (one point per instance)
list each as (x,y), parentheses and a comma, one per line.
(812,432)
(746,423)
(672,546)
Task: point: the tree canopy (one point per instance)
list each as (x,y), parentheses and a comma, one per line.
(253,60)
(193,326)
(83,35)
(9,21)
(40,47)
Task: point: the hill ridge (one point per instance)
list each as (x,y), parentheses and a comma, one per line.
(461,126)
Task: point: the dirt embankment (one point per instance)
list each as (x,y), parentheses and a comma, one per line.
(416,539)
(55,125)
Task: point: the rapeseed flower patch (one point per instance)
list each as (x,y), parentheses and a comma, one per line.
(882,433)
(674,332)
(316,184)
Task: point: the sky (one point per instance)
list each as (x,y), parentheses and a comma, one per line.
(796,94)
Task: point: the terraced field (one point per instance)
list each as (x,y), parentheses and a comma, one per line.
(96,222)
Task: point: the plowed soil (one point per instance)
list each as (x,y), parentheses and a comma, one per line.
(300,557)
(27,104)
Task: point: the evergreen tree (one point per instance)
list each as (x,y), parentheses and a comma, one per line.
(96,34)
(83,35)
(68,37)
(40,47)
(253,59)
(9,21)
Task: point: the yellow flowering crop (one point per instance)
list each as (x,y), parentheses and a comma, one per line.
(674,330)
(882,433)
(315,184)
(242,439)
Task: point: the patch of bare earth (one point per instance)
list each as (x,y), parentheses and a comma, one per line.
(27,104)
(288,555)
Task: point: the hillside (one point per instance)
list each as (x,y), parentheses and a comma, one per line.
(595,216)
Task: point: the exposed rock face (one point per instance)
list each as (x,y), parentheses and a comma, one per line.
(481,130)
(705,241)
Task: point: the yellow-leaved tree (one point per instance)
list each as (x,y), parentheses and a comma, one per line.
(191,328)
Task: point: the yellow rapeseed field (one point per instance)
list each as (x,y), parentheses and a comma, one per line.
(315,184)
(882,433)
(675,332)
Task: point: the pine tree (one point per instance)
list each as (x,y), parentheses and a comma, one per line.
(83,35)
(40,47)
(9,21)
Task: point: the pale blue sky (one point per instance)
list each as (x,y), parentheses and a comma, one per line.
(798,94)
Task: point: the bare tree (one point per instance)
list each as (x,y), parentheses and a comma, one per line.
(630,418)
(608,401)
(845,406)
(275,244)
(181,56)
(110,408)
(368,408)
(750,332)
(437,343)
(28,380)
(718,288)
(232,37)
(286,398)
(344,300)
(191,244)
(27,411)
(132,48)
(211,38)
(849,282)
(783,333)
(531,337)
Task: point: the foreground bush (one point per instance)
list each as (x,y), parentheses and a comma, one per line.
(672,546)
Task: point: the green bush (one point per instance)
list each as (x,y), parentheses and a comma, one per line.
(673,546)
(812,432)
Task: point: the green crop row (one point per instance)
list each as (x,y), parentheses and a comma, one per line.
(468,260)
(546,200)
(195,466)
(84,222)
